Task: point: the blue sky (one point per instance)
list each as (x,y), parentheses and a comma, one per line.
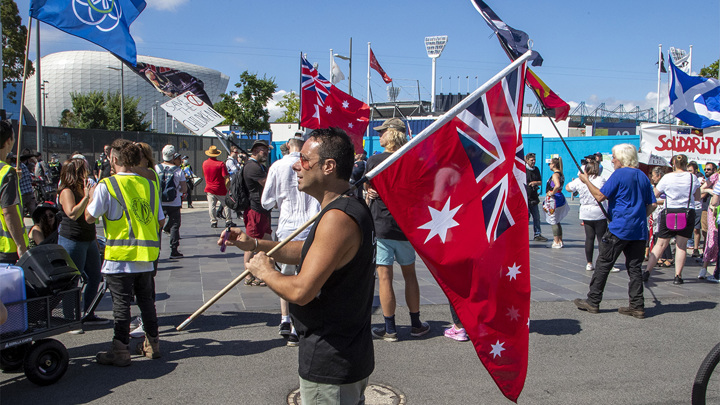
(594,51)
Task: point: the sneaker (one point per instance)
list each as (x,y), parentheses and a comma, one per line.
(696,253)
(292,340)
(614,270)
(379,333)
(638,313)
(285,329)
(589,267)
(678,280)
(586,306)
(176,255)
(213,225)
(422,330)
(77,332)
(557,245)
(456,334)
(139,331)
(540,238)
(703,273)
(230,224)
(137,321)
(711,279)
(93,319)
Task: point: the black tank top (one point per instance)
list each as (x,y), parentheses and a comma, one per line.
(78,230)
(334,328)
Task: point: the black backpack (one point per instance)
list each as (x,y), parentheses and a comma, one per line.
(238,195)
(167,184)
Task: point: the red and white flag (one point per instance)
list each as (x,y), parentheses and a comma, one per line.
(375,65)
(457,190)
(324,106)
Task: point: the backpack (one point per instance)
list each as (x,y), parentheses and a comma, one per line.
(238,196)
(167,184)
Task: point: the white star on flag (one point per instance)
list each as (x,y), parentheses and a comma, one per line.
(497,349)
(350,124)
(513,313)
(441,221)
(513,271)
(345,104)
(328,109)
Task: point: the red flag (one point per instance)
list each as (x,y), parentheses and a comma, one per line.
(547,97)
(324,105)
(459,197)
(375,65)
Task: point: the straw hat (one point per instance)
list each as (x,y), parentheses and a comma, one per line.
(213,151)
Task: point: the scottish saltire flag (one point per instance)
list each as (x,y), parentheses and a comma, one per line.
(324,105)
(457,190)
(103,22)
(694,99)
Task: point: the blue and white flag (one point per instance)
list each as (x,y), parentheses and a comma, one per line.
(102,22)
(694,99)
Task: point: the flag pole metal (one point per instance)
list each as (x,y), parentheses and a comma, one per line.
(657,112)
(22,98)
(244,274)
(445,118)
(367,130)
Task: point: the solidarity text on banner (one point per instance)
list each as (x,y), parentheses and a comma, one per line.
(457,191)
(665,140)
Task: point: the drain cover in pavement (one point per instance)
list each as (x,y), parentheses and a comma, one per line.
(375,394)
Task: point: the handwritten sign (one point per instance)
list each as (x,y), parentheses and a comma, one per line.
(193,113)
(666,141)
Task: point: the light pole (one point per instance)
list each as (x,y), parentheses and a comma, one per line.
(44,99)
(122,95)
(434,47)
(529,106)
(349,59)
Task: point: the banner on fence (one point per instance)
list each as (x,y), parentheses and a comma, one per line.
(664,140)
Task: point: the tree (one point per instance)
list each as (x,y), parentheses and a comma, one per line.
(14,35)
(247,107)
(98,110)
(291,103)
(710,71)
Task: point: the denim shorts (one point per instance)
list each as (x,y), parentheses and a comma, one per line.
(389,250)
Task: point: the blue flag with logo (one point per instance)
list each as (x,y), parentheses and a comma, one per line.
(102,22)
(694,99)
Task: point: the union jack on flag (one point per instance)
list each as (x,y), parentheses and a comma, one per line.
(324,105)
(457,191)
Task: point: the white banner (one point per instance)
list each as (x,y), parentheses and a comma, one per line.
(193,113)
(664,140)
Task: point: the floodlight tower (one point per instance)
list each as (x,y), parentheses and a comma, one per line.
(434,47)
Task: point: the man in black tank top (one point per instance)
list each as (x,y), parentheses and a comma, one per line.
(331,296)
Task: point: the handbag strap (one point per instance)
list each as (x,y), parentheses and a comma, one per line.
(690,192)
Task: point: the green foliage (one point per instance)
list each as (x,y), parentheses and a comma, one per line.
(710,71)
(14,35)
(97,110)
(291,103)
(247,107)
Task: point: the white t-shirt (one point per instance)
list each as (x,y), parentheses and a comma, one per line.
(589,208)
(676,187)
(103,203)
(178,177)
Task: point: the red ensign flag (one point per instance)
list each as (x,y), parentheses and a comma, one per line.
(375,65)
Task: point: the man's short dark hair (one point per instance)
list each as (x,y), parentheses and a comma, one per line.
(336,144)
(6,131)
(711,164)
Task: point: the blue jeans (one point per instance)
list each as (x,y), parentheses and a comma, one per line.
(534,210)
(86,257)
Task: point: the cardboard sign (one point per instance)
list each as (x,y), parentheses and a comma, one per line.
(193,113)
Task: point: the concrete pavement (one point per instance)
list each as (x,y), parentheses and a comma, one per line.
(233,354)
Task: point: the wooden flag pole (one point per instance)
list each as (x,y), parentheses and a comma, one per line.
(244,274)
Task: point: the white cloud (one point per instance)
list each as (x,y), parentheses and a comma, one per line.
(276,111)
(166,4)
(240,40)
(611,103)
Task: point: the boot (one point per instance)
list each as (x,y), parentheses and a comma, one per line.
(150,348)
(118,355)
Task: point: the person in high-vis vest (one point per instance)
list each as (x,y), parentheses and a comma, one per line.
(13,238)
(130,208)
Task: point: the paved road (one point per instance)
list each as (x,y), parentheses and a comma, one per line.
(233,354)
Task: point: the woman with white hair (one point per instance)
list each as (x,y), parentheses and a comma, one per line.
(681,189)
(630,201)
